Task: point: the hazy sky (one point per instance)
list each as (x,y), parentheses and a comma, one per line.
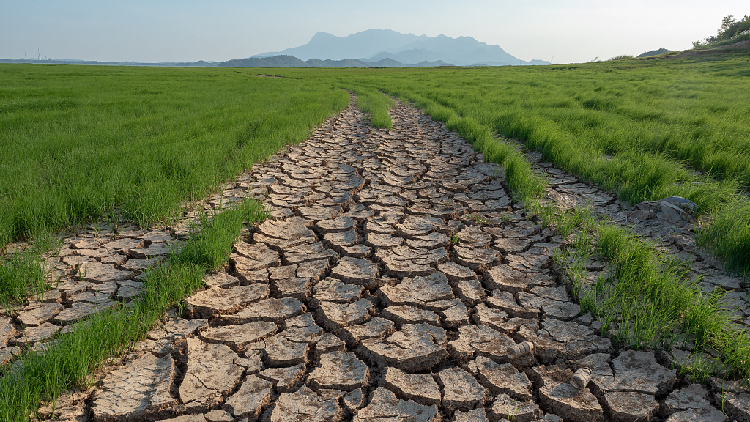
(218,30)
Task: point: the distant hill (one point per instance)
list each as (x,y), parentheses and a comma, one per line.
(375,45)
(291,61)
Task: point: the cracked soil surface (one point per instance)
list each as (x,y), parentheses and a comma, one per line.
(397,281)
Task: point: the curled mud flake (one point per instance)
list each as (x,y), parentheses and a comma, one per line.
(419,291)
(506,279)
(213,302)
(504,407)
(413,348)
(410,315)
(307,253)
(475,341)
(38,315)
(339,371)
(339,224)
(581,378)
(212,371)
(238,336)
(421,388)
(249,400)
(284,379)
(307,405)
(253,257)
(333,290)
(385,406)
(138,390)
(502,378)
(630,406)
(357,271)
(275,310)
(558,396)
(373,329)
(461,390)
(338,315)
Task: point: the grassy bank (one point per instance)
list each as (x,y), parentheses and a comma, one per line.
(73,356)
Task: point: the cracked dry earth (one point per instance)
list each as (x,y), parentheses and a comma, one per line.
(394,284)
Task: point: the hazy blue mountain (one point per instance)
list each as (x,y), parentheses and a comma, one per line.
(375,45)
(291,61)
(360,45)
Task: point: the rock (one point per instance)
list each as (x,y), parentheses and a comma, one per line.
(503,407)
(272,309)
(385,407)
(38,315)
(213,302)
(461,390)
(413,348)
(249,400)
(356,271)
(503,378)
(306,405)
(212,371)
(421,388)
(284,379)
(631,406)
(138,390)
(339,371)
(238,336)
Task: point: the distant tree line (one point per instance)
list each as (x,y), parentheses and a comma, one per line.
(731,31)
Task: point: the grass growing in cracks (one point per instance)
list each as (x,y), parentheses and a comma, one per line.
(73,356)
(22,273)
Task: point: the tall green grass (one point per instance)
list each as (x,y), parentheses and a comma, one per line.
(73,356)
(85,143)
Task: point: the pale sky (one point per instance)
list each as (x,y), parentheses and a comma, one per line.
(563,31)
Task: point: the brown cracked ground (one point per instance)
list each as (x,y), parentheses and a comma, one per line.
(392,285)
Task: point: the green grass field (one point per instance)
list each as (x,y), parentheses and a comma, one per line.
(88,143)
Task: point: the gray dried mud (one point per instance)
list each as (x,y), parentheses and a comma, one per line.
(392,283)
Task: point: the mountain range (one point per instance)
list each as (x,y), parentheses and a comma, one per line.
(375,45)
